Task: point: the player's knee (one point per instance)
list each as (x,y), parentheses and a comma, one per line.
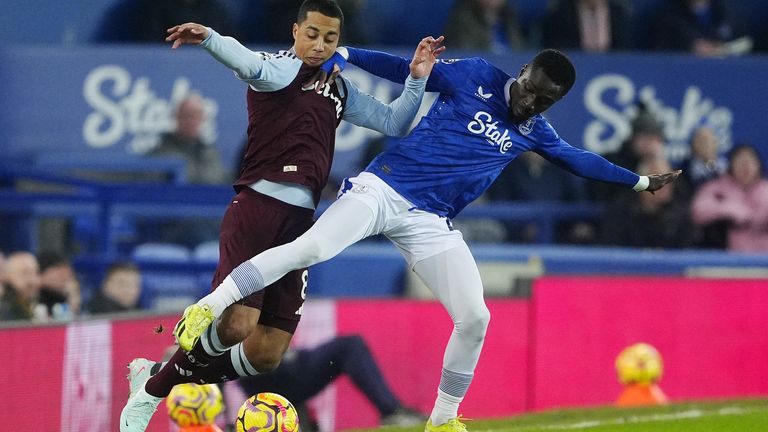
(474,323)
(312,251)
(265,361)
(234,331)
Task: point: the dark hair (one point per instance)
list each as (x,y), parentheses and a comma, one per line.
(50,259)
(741,148)
(328,8)
(119,267)
(557,66)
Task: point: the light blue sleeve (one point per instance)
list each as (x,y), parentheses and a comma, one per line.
(391,119)
(263,71)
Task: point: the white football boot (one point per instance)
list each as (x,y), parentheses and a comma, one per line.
(141,405)
(139,371)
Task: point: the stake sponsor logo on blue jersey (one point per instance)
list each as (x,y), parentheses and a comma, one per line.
(483,124)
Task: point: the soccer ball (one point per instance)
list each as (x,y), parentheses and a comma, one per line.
(639,364)
(194,404)
(266,412)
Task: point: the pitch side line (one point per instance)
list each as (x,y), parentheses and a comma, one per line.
(651,418)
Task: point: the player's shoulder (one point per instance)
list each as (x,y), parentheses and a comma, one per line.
(539,127)
(467,61)
(280,55)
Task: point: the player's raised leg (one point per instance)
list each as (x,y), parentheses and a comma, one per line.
(344,223)
(221,350)
(454,279)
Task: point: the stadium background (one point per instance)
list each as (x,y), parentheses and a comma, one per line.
(560,313)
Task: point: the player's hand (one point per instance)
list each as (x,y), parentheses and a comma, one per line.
(426,56)
(657,181)
(326,74)
(189,33)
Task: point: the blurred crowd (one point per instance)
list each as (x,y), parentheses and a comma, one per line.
(720,202)
(45,288)
(702,27)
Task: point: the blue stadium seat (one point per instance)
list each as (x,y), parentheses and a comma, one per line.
(169,289)
(206,252)
(161,252)
(206,255)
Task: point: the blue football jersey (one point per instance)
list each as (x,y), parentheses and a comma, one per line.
(466,139)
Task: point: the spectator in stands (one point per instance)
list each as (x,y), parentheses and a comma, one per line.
(701,27)
(60,291)
(657,220)
(737,202)
(705,162)
(484,25)
(647,141)
(22,287)
(2,276)
(531,178)
(186,141)
(282,15)
(156,16)
(120,290)
(303,373)
(2,269)
(595,26)
(203,166)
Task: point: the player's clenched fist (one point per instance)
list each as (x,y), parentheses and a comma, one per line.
(189,33)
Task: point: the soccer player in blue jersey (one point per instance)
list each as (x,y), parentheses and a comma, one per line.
(482,119)
(291,135)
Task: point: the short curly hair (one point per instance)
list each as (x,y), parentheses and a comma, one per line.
(558,67)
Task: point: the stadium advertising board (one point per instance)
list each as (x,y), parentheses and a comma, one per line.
(115,100)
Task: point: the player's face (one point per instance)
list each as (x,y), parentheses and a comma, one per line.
(316,38)
(532,93)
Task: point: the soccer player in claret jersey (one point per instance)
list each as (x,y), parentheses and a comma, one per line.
(290,146)
(482,119)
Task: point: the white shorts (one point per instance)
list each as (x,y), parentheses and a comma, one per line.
(416,233)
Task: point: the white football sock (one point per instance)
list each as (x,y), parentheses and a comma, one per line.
(446,408)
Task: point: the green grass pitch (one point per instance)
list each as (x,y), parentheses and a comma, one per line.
(722,416)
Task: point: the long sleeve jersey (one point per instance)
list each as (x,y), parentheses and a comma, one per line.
(466,139)
(291,132)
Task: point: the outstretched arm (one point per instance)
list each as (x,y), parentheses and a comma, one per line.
(395,118)
(445,76)
(593,166)
(263,71)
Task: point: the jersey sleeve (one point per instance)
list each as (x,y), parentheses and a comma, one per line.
(446,75)
(391,119)
(580,162)
(263,71)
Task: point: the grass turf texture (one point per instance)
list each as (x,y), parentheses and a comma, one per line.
(723,416)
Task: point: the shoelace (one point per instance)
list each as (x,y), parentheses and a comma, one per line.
(460,420)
